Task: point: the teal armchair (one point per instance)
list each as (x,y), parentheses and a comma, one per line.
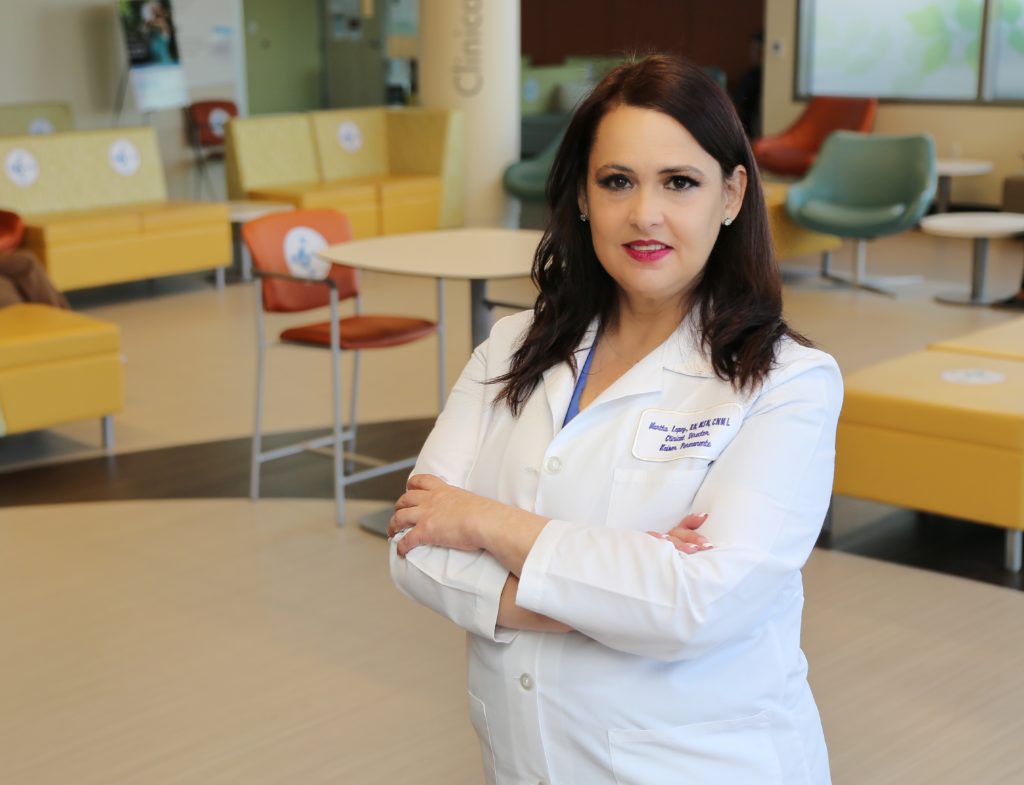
(526,180)
(864,186)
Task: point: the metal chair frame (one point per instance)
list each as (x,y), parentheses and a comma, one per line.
(339,434)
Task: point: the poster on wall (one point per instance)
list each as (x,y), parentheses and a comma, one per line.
(154,67)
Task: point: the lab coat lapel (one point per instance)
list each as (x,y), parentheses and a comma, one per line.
(680,353)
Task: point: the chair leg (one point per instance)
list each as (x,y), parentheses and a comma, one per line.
(107,430)
(860,280)
(257,435)
(353,408)
(339,464)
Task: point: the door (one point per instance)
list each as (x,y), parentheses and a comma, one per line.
(283,55)
(355,34)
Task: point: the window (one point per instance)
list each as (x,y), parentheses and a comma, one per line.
(918,50)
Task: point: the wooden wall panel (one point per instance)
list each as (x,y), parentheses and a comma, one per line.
(709,32)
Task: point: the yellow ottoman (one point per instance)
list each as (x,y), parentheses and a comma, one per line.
(1005,341)
(941,432)
(57,366)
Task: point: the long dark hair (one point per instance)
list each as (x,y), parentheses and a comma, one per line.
(737,297)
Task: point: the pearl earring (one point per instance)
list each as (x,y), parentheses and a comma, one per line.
(727,222)
(583,217)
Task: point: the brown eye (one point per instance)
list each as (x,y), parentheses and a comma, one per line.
(614,182)
(681,183)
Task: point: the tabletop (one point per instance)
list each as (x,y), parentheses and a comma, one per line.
(973,224)
(247,210)
(959,167)
(471,253)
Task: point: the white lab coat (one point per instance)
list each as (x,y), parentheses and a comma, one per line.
(685,668)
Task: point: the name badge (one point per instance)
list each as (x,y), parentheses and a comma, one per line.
(665,435)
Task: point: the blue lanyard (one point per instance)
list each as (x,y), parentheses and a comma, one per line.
(581,381)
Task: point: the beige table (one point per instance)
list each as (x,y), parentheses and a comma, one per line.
(476,255)
(948,168)
(978,227)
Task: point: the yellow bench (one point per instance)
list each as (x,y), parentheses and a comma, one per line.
(35,118)
(389,170)
(96,209)
(57,366)
(1005,341)
(941,432)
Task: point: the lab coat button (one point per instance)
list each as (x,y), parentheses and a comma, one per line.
(526,680)
(553,465)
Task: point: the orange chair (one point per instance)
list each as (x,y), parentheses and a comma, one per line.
(11,230)
(291,278)
(792,152)
(206,122)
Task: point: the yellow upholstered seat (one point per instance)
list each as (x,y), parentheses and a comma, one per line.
(1005,341)
(388,170)
(96,209)
(57,366)
(936,431)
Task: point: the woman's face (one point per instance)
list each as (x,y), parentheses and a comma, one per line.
(655,200)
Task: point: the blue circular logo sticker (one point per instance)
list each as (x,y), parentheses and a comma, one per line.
(301,246)
(218,119)
(350,137)
(40,126)
(21,167)
(124,157)
(973,376)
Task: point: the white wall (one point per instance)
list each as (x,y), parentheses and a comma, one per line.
(992,133)
(72,51)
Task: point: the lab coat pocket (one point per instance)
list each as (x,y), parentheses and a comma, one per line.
(738,752)
(478,717)
(654,499)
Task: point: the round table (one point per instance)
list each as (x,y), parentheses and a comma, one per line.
(243,211)
(468,254)
(948,168)
(979,227)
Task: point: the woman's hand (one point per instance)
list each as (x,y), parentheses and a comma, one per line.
(684,535)
(444,515)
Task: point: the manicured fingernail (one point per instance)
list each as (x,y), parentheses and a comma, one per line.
(706,545)
(702,516)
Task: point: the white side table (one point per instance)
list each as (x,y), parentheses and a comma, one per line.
(978,227)
(242,212)
(948,168)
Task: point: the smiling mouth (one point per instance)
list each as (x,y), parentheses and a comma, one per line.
(646,250)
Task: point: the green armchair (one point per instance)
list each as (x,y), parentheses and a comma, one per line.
(526,180)
(864,186)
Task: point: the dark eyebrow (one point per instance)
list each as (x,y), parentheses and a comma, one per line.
(688,171)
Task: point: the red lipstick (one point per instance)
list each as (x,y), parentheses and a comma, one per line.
(646,250)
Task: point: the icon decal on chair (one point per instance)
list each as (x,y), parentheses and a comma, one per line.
(218,118)
(350,137)
(124,157)
(301,246)
(21,167)
(40,126)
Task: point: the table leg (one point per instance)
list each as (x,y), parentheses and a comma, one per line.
(979,278)
(481,312)
(944,189)
(1014,542)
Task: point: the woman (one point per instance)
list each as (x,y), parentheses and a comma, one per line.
(654,381)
